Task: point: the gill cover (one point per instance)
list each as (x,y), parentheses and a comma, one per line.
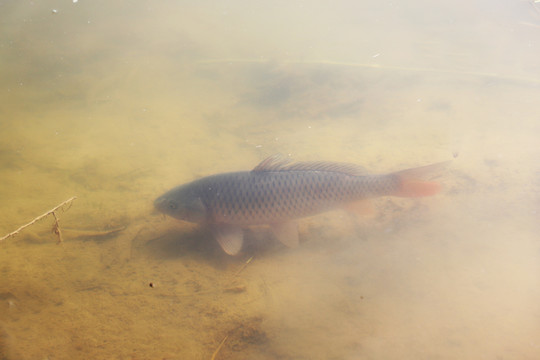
(182,203)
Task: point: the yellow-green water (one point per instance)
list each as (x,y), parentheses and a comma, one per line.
(116,102)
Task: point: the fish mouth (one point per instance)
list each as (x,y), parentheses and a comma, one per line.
(159,203)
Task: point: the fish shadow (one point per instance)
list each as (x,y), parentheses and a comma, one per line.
(180,243)
(199,244)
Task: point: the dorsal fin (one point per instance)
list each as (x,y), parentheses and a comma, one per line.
(279,163)
(275,162)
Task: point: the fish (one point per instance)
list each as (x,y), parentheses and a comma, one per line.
(278,191)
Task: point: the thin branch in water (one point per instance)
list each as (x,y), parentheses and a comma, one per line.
(219,348)
(243,266)
(56,225)
(56,228)
(76,233)
(525,80)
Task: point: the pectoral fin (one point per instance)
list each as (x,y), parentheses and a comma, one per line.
(286,232)
(229,237)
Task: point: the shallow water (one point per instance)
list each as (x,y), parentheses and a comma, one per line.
(116,103)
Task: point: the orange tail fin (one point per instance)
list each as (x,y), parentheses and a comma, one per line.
(412,183)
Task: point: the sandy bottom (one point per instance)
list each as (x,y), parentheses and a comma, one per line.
(454,276)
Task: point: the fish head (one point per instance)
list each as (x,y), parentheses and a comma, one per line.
(182,203)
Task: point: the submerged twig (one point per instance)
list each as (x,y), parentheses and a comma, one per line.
(232,285)
(243,266)
(76,233)
(56,225)
(377,66)
(219,348)
(56,228)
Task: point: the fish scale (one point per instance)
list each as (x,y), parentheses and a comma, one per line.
(249,198)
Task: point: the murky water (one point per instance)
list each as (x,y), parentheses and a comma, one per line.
(117,102)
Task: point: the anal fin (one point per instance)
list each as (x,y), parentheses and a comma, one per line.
(360,209)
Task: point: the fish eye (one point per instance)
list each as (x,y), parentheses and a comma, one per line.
(172,205)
